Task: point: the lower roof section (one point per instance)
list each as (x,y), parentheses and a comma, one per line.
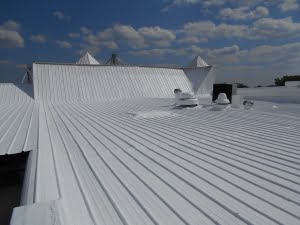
(147,162)
(15,93)
(18,119)
(18,127)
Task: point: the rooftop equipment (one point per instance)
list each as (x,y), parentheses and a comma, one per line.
(222,102)
(222,99)
(185,98)
(114,61)
(228,89)
(248,104)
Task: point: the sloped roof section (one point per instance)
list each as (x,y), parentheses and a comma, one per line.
(198,62)
(105,83)
(87,59)
(18,119)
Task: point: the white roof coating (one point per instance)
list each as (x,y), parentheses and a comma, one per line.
(109,146)
(104,163)
(292,84)
(18,119)
(87,59)
(105,83)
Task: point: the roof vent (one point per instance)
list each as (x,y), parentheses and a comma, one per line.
(185,98)
(248,104)
(222,99)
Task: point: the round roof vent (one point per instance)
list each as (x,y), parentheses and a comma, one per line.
(222,99)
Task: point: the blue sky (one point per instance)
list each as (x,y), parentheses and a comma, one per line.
(250,41)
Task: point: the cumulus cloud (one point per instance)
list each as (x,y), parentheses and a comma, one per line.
(191,40)
(10,36)
(120,34)
(206,3)
(174,3)
(39,38)
(268,28)
(228,54)
(262,29)
(272,54)
(288,5)
(283,5)
(243,13)
(258,65)
(157,36)
(61,16)
(11,25)
(160,52)
(63,44)
(191,33)
(209,3)
(74,35)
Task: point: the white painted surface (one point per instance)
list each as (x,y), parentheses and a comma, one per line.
(37,214)
(283,100)
(87,59)
(292,84)
(15,93)
(198,62)
(180,167)
(18,119)
(144,160)
(106,83)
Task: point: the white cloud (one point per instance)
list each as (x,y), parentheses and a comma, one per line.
(74,35)
(283,5)
(157,36)
(268,28)
(206,3)
(61,16)
(10,36)
(209,3)
(243,13)
(160,52)
(260,55)
(256,66)
(64,44)
(191,40)
(120,34)
(11,25)
(208,29)
(272,54)
(262,29)
(288,5)
(191,33)
(175,3)
(39,38)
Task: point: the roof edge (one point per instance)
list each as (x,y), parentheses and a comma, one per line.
(101,65)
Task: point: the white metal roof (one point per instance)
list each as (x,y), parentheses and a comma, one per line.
(18,119)
(104,83)
(110,147)
(87,59)
(146,162)
(292,84)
